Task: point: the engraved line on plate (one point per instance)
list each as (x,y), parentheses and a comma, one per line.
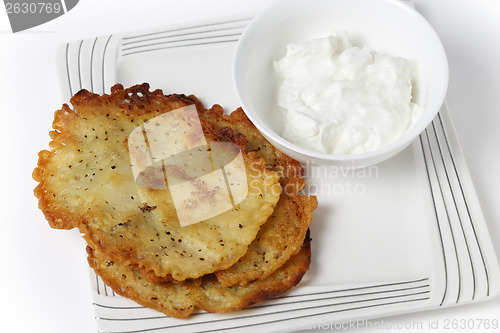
(355,289)
(79,64)
(299,295)
(273,313)
(467,207)
(310,315)
(67,70)
(437,221)
(179,41)
(310,300)
(118,307)
(106,289)
(182,34)
(91,66)
(457,210)
(187,28)
(447,214)
(97,283)
(345,296)
(103,62)
(131,319)
(179,46)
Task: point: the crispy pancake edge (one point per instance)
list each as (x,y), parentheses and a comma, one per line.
(208,296)
(125,98)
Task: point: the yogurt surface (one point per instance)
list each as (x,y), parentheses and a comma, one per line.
(341,99)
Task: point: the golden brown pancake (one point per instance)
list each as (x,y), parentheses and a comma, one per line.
(283,233)
(181,300)
(86,181)
(257,249)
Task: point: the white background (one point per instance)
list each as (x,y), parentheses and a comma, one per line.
(44,277)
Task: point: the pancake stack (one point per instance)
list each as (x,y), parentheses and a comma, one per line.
(255,250)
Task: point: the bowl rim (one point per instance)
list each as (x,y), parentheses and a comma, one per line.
(410,135)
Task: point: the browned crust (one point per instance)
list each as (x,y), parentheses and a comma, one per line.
(238,292)
(278,239)
(279,282)
(57,218)
(150,276)
(209,296)
(293,213)
(128,290)
(136,100)
(237,124)
(131,257)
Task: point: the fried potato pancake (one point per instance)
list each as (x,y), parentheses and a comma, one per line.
(181,300)
(283,233)
(86,181)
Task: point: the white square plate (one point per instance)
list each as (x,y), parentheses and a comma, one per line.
(403,236)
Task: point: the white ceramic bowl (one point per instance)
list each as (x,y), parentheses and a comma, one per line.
(389,27)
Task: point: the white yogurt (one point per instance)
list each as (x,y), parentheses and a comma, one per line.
(340,99)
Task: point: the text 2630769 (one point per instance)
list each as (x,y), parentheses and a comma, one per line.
(32,7)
